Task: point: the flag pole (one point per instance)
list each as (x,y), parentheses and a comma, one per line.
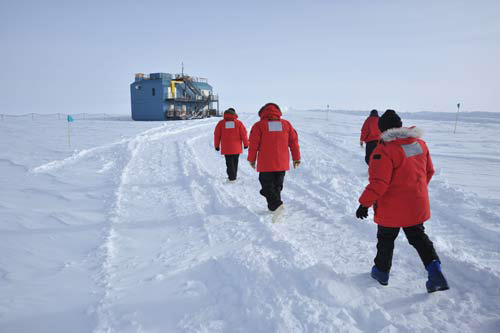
(456,119)
(69,119)
(69,137)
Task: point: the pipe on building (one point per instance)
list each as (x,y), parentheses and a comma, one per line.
(172,86)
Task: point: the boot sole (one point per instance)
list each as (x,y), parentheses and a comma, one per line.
(437,289)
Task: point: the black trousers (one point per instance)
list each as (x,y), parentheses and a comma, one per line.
(416,237)
(232,165)
(370,146)
(272,184)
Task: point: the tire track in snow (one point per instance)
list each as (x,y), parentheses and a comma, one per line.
(108,251)
(92,152)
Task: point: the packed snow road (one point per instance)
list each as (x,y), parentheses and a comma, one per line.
(144,234)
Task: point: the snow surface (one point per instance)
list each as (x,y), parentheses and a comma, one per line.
(135,229)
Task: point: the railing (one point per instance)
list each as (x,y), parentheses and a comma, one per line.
(63,116)
(189,98)
(190,78)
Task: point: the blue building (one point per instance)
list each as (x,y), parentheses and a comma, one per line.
(163,96)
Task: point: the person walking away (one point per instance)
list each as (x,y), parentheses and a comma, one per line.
(271,141)
(229,135)
(399,173)
(370,134)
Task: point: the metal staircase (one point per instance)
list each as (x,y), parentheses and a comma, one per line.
(198,111)
(192,87)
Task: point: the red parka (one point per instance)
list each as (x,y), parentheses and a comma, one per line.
(270,139)
(399,172)
(229,134)
(370,130)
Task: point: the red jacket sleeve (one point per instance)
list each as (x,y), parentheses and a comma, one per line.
(243,134)
(293,143)
(218,134)
(364,131)
(429,167)
(380,175)
(253,148)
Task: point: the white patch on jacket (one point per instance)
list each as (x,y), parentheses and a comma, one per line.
(401,133)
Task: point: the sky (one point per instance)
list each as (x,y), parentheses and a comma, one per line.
(81,56)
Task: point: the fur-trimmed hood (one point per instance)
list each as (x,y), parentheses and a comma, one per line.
(270,111)
(401,133)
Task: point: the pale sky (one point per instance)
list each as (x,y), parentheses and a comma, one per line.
(81,56)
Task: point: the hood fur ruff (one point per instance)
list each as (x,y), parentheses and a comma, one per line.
(401,133)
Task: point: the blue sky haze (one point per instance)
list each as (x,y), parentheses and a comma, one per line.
(81,56)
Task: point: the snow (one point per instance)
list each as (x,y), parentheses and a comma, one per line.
(135,229)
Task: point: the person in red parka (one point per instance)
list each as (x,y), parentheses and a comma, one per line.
(229,134)
(399,171)
(271,138)
(370,134)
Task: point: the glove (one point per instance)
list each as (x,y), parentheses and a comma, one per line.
(252,164)
(362,212)
(217,148)
(361,144)
(245,147)
(296,164)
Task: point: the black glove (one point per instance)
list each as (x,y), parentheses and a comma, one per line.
(246,147)
(217,148)
(362,212)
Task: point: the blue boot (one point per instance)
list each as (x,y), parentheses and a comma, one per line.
(381,277)
(436,279)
